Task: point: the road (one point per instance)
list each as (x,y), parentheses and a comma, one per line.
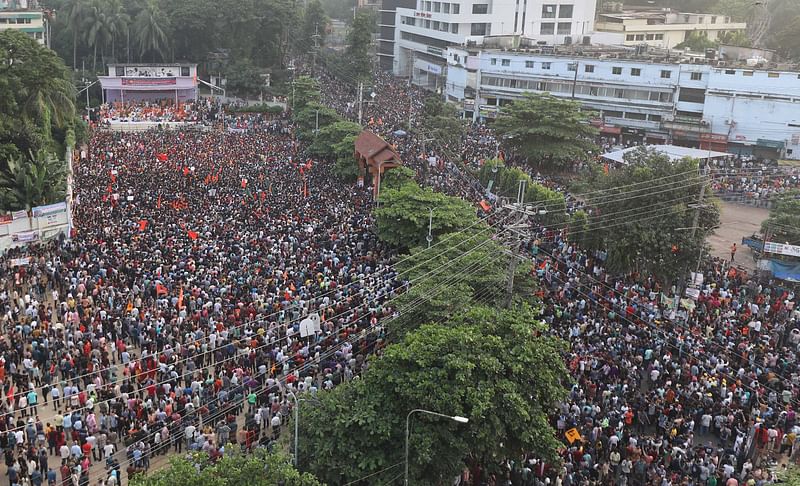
(736,221)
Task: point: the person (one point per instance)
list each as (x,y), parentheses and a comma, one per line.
(733,252)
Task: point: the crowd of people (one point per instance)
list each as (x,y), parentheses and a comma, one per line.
(204,110)
(212,273)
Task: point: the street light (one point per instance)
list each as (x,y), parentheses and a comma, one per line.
(455,418)
(429,238)
(297,419)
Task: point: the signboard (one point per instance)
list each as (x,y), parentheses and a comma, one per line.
(40,211)
(19,214)
(782,249)
(148,81)
(24,237)
(572,435)
(713,137)
(469,105)
(488,111)
(6,218)
(18,262)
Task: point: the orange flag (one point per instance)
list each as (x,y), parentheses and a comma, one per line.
(142,225)
(158,202)
(180,299)
(193,234)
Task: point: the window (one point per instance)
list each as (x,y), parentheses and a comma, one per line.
(564,28)
(548,28)
(119,71)
(454,28)
(697,76)
(636,72)
(446,7)
(589,68)
(435,25)
(548,11)
(619,93)
(480,8)
(506,62)
(479,29)
(749,73)
(692,95)
(572,66)
(655,118)
(639,37)
(630,37)
(666,74)
(185,71)
(635,116)
(529,64)
(427,24)
(612,113)
(456,8)
(565,11)
(665,97)
(427,6)
(545,65)
(494,61)
(773,75)
(659,36)
(437,6)
(3,21)
(700,20)
(650,36)
(713,19)
(730,71)
(616,70)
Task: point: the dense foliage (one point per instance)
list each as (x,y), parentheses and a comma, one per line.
(644,214)
(235,469)
(491,366)
(546,129)
(504,181)
(783,224)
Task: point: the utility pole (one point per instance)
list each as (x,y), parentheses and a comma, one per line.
(514,260)
(360,101)
(316,48)
(410,82)
(695,225)
(429,238)
(575,79)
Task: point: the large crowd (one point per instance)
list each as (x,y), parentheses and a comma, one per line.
(212,275)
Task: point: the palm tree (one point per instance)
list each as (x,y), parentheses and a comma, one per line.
(49,99)
(75,14)
(37,181)
(98,31)
(150,28)
(118,22)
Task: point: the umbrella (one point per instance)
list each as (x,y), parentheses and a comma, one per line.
(399,133)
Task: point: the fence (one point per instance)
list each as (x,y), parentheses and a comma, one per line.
(42,224)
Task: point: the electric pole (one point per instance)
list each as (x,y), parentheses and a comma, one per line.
(316,38)
(360,101)
(410,96)
(521,233)
(695,225)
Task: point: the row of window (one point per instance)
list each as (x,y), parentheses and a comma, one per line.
(564,11)
(641,37)
(440,7)
(550,28)
(6,20)
(616,70)
(580,89)
(430,24)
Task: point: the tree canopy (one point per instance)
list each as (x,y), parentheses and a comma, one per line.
(504,181)
(783,224)
(547,129)
(494,367)
(259,468)
(643,215)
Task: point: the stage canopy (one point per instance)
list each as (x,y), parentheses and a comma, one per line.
(674,152)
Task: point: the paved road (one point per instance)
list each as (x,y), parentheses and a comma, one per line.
(736,221)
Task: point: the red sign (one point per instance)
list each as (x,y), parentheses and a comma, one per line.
(148,81)
(713,137)
(422,14)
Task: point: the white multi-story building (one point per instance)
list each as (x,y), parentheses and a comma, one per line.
(665,28)
(737,109)
(25,16)
(423,34)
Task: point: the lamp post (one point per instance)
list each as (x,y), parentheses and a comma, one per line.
(455,418)
(297,419)
(429,238)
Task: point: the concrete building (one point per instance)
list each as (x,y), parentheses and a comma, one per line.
(712,106)
(665,28)
(149,82)
(386,31)
(425,31)
(25,16)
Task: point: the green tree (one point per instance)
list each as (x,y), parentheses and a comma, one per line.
(118,23)
(440,122)
(403,215)
(97,26)
(76,10)
(150,27)
(547,129)
(36,94)
(26,183)
(336,142)
(311,115)
(642,215)
(305,90)
(359,38)
(196,33)
(495,367)
(783,223)
(737,10)
(260,468)
(696,41)
(244,79)
(504,181)
(734,38)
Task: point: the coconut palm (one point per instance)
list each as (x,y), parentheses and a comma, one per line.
(97,28)
(75,14)
(150,27)
(118,23)
(37,181)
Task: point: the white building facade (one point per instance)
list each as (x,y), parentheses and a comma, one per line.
(423,34)
(734,109)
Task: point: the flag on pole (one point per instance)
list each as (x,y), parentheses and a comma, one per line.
(142,225)
(193,234)
(162,157)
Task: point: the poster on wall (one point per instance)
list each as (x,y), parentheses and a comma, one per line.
(19,214)
(24,237)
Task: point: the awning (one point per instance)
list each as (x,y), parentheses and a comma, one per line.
(773,144)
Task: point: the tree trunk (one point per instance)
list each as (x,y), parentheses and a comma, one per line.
(113,48)
(74,49)
(94,61)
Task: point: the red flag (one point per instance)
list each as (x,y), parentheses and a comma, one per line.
(244,183)
(162,157)
(193,234)
(180,299)
(605,168)
(485,206)
(186,171)
(142,225)
(158,203)
(160,289)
